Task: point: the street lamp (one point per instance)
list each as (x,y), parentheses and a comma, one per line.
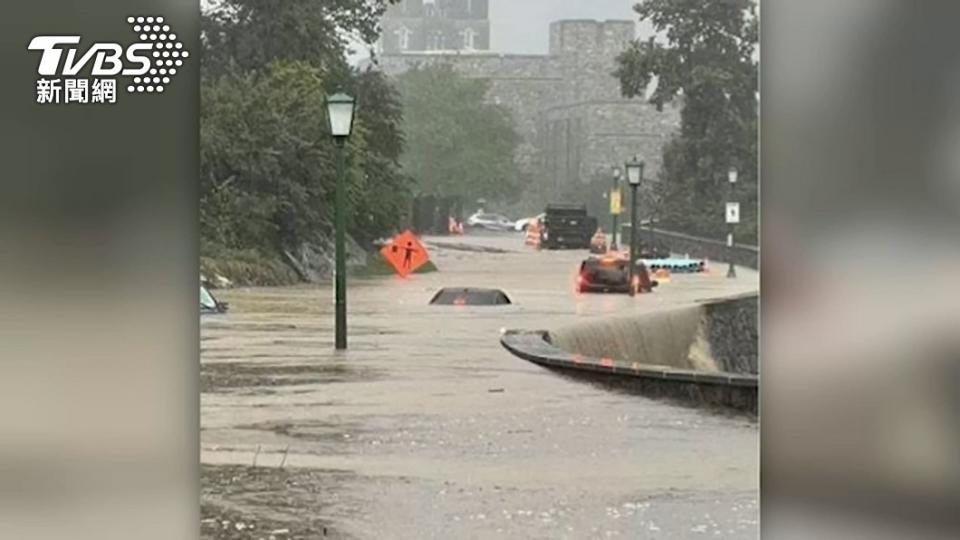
(733,217)
(340,115)
(615,207)
(634,170)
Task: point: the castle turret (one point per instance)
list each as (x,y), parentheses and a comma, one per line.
(587,51)
(590,38)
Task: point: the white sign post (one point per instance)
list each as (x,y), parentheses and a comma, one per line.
(733,217)
(733,212)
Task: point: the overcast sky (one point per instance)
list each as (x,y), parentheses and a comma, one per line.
(523,26)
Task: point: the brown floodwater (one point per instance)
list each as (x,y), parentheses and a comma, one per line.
(427,428)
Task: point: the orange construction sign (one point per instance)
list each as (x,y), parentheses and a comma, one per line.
(405,253)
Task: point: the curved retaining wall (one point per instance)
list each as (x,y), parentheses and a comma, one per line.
(704,354)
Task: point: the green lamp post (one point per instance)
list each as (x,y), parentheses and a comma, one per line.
(634,170)
(340,108)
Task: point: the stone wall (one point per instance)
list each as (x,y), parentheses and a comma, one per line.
(614,131)
(520,83)
(567,104)
(439,26)
(733,333)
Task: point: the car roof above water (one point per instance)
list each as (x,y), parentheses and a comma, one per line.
(605,260)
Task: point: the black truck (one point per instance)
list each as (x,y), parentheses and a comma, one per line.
(567,226)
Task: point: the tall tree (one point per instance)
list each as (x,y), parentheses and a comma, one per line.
(267,161)
(250,34)
(703,54)
(457,144)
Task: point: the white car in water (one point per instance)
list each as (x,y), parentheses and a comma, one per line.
(522,224)
(494,222)
(209,304)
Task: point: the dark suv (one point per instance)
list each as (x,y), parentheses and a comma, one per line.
(567,226)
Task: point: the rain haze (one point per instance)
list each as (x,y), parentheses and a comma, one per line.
(523,26)
(485,192)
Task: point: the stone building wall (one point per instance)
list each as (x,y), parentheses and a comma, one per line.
(566,104)
(436,25)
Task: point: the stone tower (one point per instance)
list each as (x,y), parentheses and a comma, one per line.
(436,25)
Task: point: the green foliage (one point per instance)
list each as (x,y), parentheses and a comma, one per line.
(704,57)
(457,144)
(251,34)
(268,169)
(247,267)
(268,164)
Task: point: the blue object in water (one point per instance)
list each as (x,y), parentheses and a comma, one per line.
(675,265)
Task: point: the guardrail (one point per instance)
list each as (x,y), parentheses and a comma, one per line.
(701,248)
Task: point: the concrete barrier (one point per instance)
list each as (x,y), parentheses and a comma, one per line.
(705,354)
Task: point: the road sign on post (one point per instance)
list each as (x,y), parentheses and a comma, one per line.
(733,212)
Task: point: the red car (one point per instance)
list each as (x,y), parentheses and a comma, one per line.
(611,274)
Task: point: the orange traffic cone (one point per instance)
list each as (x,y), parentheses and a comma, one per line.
(533,234)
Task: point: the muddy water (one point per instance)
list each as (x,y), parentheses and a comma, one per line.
(427,428)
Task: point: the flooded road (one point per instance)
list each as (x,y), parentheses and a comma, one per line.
(427,428)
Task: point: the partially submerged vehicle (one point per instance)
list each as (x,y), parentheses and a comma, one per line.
(610,273)
(521,224)
(209,304)
(493,222)
(470,296)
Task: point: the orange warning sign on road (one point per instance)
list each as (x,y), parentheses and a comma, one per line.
(405,253)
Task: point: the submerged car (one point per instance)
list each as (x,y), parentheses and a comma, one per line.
(494,222)
(610,273)
(522,224)
(209,304)
(470,296)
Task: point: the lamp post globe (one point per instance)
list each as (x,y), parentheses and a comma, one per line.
(635,172)
(340,109)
